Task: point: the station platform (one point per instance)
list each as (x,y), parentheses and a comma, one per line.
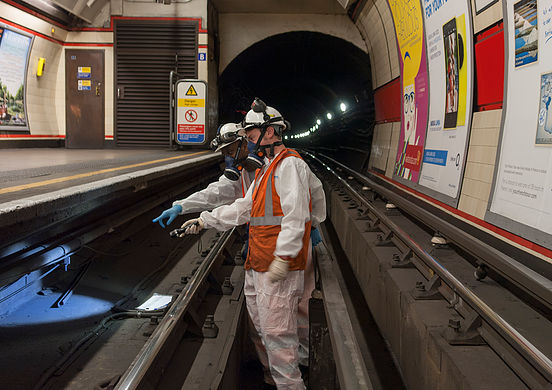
(40,187)
(32,172)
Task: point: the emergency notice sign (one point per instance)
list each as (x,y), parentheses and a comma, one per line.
(191,96)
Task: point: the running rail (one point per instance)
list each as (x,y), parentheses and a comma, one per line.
(530,352)
(134,375)
(349,362)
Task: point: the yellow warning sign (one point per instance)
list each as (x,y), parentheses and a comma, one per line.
(191,91)
(191,102)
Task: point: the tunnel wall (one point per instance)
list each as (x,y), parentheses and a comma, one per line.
(45,95)
(376,26)
(240,31)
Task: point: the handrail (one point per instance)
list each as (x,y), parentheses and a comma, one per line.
(540,361)
(132,378)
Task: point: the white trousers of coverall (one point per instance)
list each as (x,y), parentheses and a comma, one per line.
(272,309)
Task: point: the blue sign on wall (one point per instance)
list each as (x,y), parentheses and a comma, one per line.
(202,56)
(436,157)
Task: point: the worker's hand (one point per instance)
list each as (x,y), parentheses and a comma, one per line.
(171,214)
(315,237)
(192,226)
(278,269)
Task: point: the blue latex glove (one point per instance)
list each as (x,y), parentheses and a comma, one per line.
(315,237)
(171,214)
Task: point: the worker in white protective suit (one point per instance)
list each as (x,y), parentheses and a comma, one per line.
(279,207)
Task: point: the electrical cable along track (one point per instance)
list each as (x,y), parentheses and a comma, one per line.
(492,299)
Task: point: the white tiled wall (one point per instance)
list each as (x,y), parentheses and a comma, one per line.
(45,95)
(376,26)
(41,92)
(394,145)
(478,176)
(380,146)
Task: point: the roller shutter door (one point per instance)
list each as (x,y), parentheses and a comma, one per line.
(145,53)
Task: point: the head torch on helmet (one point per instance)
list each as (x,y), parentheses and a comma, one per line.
(226,134)
(261,116)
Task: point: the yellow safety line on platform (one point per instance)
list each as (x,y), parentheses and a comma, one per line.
(81,175)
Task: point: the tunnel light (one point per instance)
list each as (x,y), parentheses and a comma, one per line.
(329,115)
(286,137)
(318,122)
(316,127)
(343,107)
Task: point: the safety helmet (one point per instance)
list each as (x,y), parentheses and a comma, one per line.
(227,134)
(261,116)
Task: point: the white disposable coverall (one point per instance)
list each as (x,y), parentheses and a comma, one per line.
(273,306)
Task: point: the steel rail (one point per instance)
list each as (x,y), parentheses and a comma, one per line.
(145,359)
(519,274)
(349,362)
(530,352)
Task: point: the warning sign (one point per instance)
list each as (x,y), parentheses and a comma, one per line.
(191,98)
(84,85)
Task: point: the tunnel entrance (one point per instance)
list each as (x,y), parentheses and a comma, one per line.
(306,75)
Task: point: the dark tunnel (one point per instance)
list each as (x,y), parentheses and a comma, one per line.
(306,75)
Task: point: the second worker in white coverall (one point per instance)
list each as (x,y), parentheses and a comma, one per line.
(279,208)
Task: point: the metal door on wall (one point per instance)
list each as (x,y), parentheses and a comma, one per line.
(145,53)
(84,99)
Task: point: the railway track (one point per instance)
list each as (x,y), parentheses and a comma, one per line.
(509,315)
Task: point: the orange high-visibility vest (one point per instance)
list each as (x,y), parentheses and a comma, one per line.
(266,221)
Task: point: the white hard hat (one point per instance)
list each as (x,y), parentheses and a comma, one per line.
(227,135)
(262,115)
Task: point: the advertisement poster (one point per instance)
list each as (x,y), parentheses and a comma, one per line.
(409,29)
(450,59)
(521,198)
(14,50)
(525,25)
(544,126)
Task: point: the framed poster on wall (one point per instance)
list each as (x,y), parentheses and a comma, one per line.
(449,37)
(14,58)
(521,197)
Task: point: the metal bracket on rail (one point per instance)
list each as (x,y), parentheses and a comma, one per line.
(427,290)
(363,214)
(464,331)
(403,261)
(384,240)
(373,226)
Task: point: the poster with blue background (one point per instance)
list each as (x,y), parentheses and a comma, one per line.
(14,50)
(526,32)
